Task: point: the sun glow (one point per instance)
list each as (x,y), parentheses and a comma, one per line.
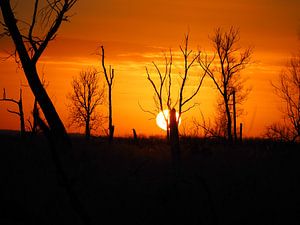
(161,121)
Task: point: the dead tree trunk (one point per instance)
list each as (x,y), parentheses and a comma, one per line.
(20,113)
(110,122)
(109,80)
(30,70)
(241,132)
(35,113)
(228,116)
(174,141)
(87,129)
(135,138)
(234,117)
(58,137)
(62,176)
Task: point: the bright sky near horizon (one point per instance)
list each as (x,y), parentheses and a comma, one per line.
(136,32)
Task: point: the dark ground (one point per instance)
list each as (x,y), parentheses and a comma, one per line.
(257,182)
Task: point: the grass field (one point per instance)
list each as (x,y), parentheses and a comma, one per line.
(256,182)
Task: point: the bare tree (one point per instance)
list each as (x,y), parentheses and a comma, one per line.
(229,61)
(109,77)
(30,43)
(189,61)
(20,111)
(86,96)
(163,96)
(162,90)
(288,90)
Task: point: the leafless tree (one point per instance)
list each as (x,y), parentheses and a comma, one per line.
(20,111)
(30,43)
(228,61)
(162,90)
(109,77)
(163,96)
(31,39)
(189,61)
(288,90)
(85,98)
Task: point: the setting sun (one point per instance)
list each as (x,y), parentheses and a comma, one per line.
(82,81)
(138,33)
(161,121)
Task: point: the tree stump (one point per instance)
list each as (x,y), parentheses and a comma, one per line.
(135,138)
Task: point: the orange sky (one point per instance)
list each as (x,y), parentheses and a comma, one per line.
(135,32)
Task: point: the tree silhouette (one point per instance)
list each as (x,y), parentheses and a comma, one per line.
(229,61)
(163,96)
(288,90)
(109,80)
(189,61)
(30,43)
(20,111)
(86,96)
(161,89)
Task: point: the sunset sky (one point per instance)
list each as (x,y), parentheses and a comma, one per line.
(137,32)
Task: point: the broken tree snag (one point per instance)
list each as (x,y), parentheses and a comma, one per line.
(109,77)
(234,116)
(134,136)
(20,113)
(174,141)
